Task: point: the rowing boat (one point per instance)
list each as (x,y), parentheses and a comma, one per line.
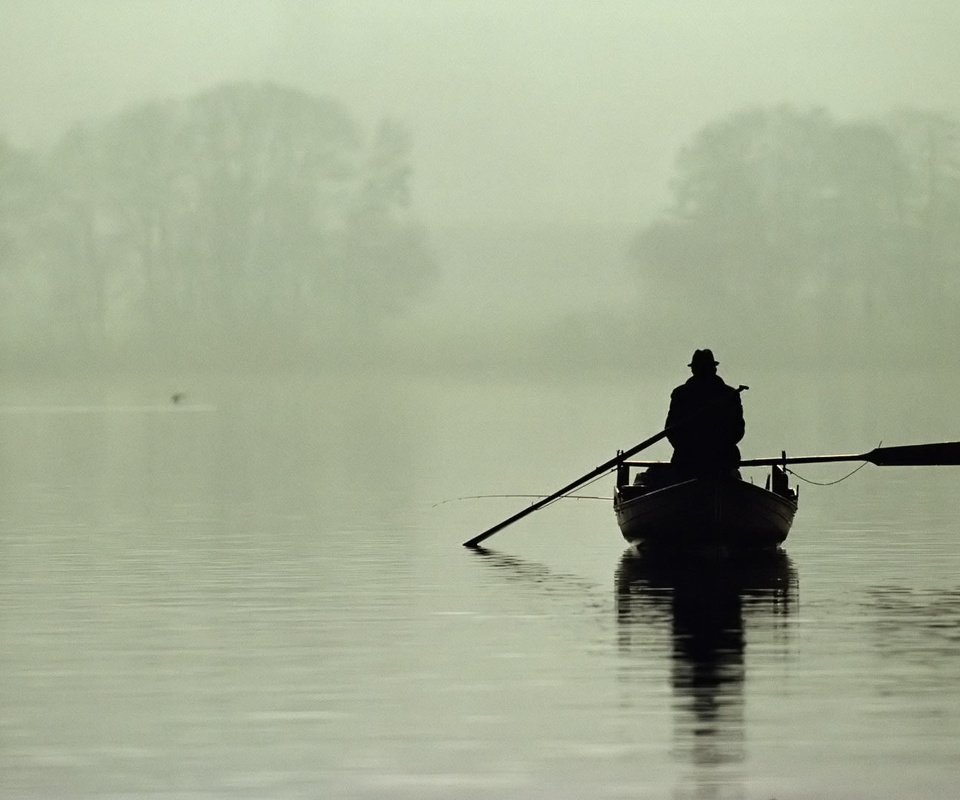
(715,512)
(718,512)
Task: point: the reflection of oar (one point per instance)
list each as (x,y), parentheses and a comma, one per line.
(936,454)
(604,467)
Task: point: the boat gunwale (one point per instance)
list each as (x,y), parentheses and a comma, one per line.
(647,527)
(620,502)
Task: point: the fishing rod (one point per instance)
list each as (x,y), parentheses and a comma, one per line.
(522,496)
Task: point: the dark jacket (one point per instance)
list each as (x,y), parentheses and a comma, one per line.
(712,423)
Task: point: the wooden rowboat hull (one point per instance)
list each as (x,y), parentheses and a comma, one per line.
(700,513)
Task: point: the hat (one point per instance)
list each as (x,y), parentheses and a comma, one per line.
(701,357)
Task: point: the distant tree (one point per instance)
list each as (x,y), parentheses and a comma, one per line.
(788,217)
(930,215)
(29,225)
(377,229)
(246,213)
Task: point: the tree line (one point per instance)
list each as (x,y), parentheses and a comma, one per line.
(258,222)
(840,237)
(248,219)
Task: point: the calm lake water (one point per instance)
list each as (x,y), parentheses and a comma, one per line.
(253,593)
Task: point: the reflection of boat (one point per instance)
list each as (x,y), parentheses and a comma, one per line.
(713,607)
(763,574)
(721,512)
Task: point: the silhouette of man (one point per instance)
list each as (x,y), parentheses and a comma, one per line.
(708,416)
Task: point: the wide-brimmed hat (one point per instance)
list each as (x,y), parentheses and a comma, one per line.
(701,357)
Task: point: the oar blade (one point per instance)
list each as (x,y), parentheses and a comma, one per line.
(936,454)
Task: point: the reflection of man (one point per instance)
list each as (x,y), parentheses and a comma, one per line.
(708,419)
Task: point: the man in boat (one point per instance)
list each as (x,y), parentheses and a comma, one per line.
(706,417)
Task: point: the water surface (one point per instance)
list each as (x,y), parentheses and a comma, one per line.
(251,593)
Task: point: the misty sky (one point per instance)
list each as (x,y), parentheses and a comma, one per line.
(519,109)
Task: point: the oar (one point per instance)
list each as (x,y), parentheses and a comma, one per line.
(935,454)
(604,467)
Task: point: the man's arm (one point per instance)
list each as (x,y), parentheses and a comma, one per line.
(675,415)
(737,426)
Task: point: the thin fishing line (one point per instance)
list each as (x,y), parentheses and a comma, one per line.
(526,496)
(537,496)
(581,486)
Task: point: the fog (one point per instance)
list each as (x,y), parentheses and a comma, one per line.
(296,296)
(551,183)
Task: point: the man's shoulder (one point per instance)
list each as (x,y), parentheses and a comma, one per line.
(713,385)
